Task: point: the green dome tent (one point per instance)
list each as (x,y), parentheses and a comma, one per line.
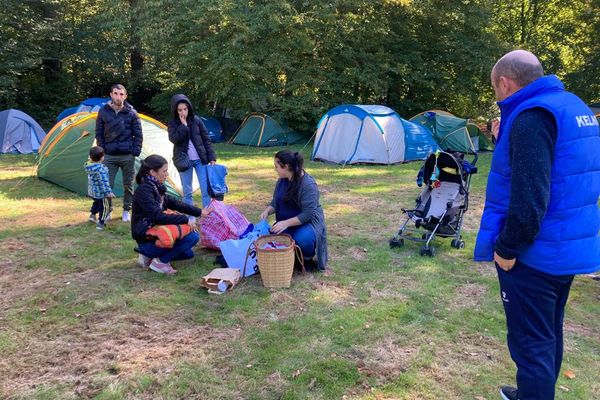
(453,133)
(65,149)
(263,131)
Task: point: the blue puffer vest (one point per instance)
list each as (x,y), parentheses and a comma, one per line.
(568,241)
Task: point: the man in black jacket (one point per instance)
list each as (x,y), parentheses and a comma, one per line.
(119,133)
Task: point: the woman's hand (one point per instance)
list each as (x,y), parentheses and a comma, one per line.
(264,214)
(194,224)
(183,120)
(206,211)
(280,226)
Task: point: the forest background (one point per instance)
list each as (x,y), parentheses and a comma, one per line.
(293,59)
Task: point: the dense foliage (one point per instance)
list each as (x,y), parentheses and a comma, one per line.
(291,58)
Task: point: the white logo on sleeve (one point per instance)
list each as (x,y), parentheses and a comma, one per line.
(504,297)
(586,120)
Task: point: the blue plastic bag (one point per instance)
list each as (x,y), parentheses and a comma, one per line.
(240,253)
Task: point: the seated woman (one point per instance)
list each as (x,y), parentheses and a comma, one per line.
(297,209)
(150,208)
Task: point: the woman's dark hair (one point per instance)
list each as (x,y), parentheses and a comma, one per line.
(150,163)
(295,162)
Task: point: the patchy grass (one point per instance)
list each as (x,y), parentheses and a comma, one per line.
(79,319)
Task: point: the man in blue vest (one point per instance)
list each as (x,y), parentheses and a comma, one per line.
(540,222)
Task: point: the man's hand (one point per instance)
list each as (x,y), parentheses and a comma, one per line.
(111,195)
(503,263)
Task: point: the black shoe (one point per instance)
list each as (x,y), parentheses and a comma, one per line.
(509,393)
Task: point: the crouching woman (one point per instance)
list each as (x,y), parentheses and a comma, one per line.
(297,209)
(153,207)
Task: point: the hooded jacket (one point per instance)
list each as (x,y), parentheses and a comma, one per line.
(119,133)
(181,135)
(98,185)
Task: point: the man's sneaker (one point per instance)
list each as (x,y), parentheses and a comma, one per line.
(144,261)
(92,218)
(162,268)
(509,393)
(126,216)
(100,226)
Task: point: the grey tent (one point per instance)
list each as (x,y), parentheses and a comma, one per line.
(19,133)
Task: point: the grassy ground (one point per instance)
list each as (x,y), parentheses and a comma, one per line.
(79,319)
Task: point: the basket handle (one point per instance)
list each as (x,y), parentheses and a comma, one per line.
(298,252)
(250,249)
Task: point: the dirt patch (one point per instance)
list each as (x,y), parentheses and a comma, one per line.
(468,296)
(384,360)
(104,349)
(358,254)
(452,360)
(579,330)
(333,293)
(485,269)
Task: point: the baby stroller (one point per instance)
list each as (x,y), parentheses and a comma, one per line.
(442,204)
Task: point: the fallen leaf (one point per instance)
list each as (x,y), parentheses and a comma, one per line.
(248,365)
(42,310)
(312,383)
(296,373)
(570,374)
(563,388)
(77,315)
(480,398)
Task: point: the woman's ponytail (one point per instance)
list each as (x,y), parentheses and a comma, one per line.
(153,162)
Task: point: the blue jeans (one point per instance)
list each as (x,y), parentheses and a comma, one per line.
(187,179)
(182,250)
(534,304)
(305,238)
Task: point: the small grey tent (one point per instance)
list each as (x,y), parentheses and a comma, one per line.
(19,133)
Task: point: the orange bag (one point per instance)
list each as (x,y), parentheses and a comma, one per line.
(166,235)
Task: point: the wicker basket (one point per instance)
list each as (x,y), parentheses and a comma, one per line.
(276,266)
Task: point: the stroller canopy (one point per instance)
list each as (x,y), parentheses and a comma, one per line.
(350,134)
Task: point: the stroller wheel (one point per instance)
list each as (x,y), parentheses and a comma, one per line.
(457,244)
(427,251)
(396,242)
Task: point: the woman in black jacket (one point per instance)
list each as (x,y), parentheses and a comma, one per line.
(192,149)
(150,205)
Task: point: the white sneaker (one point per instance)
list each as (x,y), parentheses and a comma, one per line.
(144,261)
(92,218)
(126,216)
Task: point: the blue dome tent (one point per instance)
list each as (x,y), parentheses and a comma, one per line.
(88,105)
(375,134)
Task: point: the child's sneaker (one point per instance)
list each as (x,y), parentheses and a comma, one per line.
(100,226)
(162,268)
(126,216)
(92,218)
(144,261)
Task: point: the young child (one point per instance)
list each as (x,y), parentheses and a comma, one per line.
(98,187)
